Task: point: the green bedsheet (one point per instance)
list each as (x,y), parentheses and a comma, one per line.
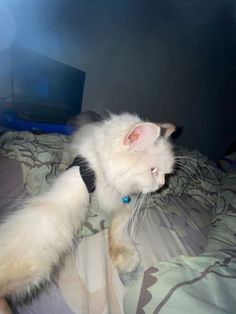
(202,284)
(40,157)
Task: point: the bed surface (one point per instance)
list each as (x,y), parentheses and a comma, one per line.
(12,186)
(173,238)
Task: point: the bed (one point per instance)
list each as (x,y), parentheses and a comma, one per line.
(187,237)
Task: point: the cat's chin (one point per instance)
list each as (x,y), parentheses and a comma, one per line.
(147,190)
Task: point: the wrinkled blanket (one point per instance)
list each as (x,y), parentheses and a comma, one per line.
(197,194)
(40,157)
(200,284)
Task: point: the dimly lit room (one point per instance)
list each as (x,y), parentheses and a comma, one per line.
(117,156)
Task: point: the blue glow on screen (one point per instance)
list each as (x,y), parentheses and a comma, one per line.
(38,86)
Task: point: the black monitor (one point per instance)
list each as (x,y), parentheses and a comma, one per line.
(39,88)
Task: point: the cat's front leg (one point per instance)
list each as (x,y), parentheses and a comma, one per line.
(122,248)
(36,237)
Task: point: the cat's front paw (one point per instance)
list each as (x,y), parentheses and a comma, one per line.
(128,263)
(126,260)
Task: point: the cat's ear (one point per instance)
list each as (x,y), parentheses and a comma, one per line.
(167,129)
(142,136)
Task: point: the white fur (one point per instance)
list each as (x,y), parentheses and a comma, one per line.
(120,170)
(123,170)
(33,238)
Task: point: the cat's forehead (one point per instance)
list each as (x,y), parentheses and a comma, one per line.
(123,123)
(161,155)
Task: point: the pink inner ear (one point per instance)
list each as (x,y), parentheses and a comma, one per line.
(142,135)
(132,137)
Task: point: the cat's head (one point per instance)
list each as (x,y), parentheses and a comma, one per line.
(140,155)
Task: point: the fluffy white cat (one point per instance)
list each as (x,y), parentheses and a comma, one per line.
(126,156)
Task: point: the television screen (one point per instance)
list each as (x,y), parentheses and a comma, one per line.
(39,89)
(42,80)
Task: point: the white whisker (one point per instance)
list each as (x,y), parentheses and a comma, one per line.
(199,163)
(138,213)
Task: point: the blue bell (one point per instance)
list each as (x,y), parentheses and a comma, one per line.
(126,199)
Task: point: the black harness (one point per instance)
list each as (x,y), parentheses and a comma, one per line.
(89,177)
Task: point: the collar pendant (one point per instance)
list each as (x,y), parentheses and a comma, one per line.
(126,199)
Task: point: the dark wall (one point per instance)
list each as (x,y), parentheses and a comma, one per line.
(165,59)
